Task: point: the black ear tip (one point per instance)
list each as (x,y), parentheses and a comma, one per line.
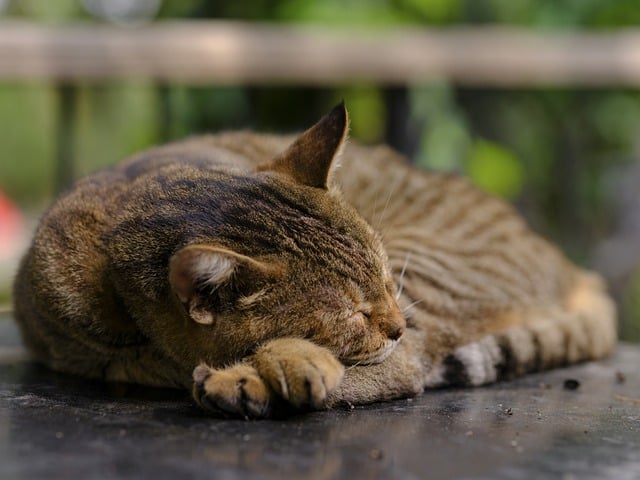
(340,108)
(339,113)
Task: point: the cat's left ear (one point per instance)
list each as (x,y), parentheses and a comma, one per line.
(196,270)
(309,158)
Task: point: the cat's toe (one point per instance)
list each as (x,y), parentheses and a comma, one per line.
(300,372)
(235,391)
(308,385)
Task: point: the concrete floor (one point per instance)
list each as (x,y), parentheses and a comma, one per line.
(54,426)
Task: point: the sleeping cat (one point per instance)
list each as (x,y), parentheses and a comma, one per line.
(270,272)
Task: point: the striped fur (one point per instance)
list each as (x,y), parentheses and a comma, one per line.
(223,249)
(487,298)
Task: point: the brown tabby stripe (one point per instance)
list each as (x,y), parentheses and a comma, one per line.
(413,211)
(480,224)
(289,223)
(462,274)
(455,373)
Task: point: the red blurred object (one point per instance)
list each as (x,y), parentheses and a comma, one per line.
(11,224)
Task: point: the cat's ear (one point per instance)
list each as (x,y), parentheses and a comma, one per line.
(308,159)
(204,268)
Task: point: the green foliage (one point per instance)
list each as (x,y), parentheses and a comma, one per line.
(111,123)
(27,136)
(339,12)
(56,11)
(552,151)
(445,137)
(630,325)
(614,14)
(615,118)
(432,11)
(370,12)
(204,109)
(555,14)
(496,169)
(366,112)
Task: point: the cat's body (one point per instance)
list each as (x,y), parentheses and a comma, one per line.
(222,250)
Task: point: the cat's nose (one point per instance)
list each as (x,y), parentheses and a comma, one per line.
(395,333)
(394,324)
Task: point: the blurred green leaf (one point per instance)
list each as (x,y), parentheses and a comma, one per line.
(366,112)
(432,11)
(615,117)
(495,169)
(111,123)
(630,326)
(444,145)
(445,137)
(51,10)
(341,12)
(509,11)
(614,13)
(27,142)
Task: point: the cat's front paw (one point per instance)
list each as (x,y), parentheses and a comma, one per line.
(237,390)
(299,371)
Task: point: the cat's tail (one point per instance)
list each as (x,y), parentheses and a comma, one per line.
(583,329)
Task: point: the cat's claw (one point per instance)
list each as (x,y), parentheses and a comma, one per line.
(236,391)
(299,371)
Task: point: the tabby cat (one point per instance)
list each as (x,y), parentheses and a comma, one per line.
(269,273)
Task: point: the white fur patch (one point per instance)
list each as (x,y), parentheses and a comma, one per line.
(480,360)
(435,378)
(251,299)
(213,268)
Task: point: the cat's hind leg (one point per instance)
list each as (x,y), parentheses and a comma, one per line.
(584,328)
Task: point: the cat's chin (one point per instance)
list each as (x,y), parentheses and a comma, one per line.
(371,358)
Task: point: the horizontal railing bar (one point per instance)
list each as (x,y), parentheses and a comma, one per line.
(210,52)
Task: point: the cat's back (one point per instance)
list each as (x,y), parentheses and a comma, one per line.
(466,251)
(173,172)
(65,274)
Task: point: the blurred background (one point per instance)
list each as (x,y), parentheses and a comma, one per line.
(561,144)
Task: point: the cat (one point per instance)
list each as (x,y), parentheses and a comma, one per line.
(279,273)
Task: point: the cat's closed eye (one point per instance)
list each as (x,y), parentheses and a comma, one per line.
(360,318)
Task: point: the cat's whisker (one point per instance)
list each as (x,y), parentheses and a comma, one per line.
(386,203)
(352,366)
(411,305)
(372,357)
(404,269)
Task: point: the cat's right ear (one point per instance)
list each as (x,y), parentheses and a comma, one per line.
(309,158)
(197,269)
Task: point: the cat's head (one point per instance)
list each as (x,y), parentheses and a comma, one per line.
(295,260)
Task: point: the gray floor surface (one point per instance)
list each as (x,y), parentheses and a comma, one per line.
(54,426)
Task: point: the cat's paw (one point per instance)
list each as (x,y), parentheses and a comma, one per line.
(237,390)
(299,371)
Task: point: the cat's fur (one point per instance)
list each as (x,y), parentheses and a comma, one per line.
(256,268)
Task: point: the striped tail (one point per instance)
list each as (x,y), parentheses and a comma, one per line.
(585,329)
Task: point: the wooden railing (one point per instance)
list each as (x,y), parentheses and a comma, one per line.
(198,52)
